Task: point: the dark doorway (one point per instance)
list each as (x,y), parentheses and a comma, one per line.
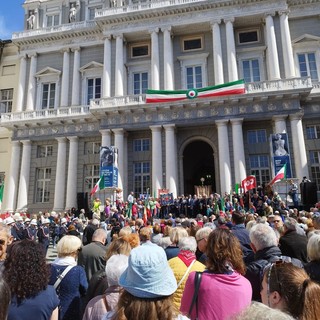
(198,162)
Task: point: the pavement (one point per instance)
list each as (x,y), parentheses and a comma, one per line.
(51,254)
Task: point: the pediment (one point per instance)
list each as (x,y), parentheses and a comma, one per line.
(91,65)
(305,38)
(48,71)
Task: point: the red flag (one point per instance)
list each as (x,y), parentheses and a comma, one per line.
(249,183)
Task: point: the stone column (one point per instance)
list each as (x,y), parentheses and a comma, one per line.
(289,68)
(31,97)
(171,159)
(106,89)
(157,181)
(24,175)
(12,188)
(119,84)
(217,52)
(22,83)
(272,52)
(119,143)
(238,150)
(60,183)
(65,78)
(155,59)
(71,200)
(105,138)
(224,156)
(168,59)
(231,51)
(75,99)
(299,147)
(280,123)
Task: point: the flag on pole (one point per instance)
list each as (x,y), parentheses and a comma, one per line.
(1,192)
(98,186)
(235,87)
(282,174)
(249,183)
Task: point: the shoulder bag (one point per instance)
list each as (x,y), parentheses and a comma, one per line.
(197,281)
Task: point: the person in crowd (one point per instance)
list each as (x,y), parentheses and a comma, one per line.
(240,231)
(202,238)
(72,231)
(289,288)
(63,229)
(316,220)
(156,235)
(72,284)
(148,284)
(27,275)
(43,234)
(98,283)
(183,264)
(292,243)
(5,240)
(293,192)
(264,243)
(89,230)
(313,249)
(31,231)
(223,279)
(101,304)
(175,235)
(5,299)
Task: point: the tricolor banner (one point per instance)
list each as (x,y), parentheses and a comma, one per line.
(230,88)
(282,174)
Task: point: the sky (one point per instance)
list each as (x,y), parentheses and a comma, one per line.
(11,18)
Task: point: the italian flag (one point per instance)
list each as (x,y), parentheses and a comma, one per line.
(235,87)
(282,174)
(98,186)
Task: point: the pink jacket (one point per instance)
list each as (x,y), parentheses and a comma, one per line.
(220,296)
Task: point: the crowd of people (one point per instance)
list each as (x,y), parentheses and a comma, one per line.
(227,258)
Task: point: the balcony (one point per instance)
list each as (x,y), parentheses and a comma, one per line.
(63,29)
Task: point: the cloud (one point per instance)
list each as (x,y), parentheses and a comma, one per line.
(5,33)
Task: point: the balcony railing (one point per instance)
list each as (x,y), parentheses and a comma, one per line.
(142,5)
(78,111)
(55,29)
(118,101)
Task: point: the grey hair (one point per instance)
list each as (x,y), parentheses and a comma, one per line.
(262,236)
(203,232)
(188,243)
(115,267)
(7,229)
(291,224)
(164,242)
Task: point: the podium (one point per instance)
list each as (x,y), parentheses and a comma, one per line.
(308,192)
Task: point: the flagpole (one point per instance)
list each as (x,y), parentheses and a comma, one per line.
(286,193)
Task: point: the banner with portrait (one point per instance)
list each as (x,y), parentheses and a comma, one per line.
(109,166)
(166,199)
(280,153)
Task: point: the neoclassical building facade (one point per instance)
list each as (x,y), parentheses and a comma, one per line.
(85,66)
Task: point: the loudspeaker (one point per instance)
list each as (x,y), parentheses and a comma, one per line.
(82,201)
(308,193)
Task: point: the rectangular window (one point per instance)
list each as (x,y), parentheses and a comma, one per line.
(141,145)
(314,157)
(141,50)
(44,151)
(315,175)
(93,89)
(6,98)
(194,77)
(43,178)
(192,44)
(249,36)
(257,136)
(52,20)
(48,95)
(308,65)
(91,176)
(313,132)
(141,177)
(92,12)
(259,167)
(8,70)
(92,147)
(251,71)
(140,82)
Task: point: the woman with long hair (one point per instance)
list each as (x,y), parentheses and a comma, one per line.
(290,289)
(27,275)
(222,280)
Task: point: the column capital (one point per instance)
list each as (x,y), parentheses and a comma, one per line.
(107,36)
(23,56)
(65,50)
(284,12)
(156,128)
(166,28)
(61,139)
(105,132)
(26,142)
(279,117)
(169,127)
(118,131)
(15,143)
(269,14)
(74,49)
(296,116)
(236,121)
(154,30)
(231,19)
(73,138)
(215,21)
(32,55)
(118,35)
(221,123)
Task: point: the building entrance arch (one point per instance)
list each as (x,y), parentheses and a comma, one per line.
(198,163)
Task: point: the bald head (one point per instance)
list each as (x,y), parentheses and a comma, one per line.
(100,235)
